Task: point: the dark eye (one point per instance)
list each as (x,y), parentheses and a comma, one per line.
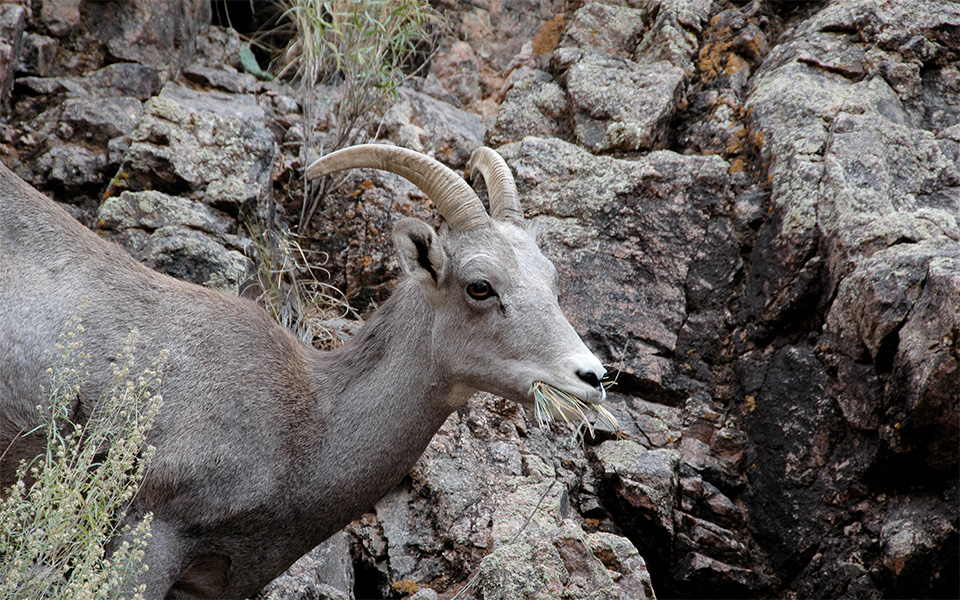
(480,290)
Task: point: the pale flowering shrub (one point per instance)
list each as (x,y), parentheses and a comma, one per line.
(60,532)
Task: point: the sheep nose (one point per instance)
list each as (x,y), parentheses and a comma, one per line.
(587,368)
(590,378)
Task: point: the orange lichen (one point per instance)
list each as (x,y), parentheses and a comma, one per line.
(546,39)
(726,54)
(713,55)
(405,587)
(735,64)
(365,185)
(753,47)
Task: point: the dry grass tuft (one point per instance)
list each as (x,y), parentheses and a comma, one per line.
(291,290)
(551,402)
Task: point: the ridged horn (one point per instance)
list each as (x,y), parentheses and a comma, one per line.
(455,199)
(504,204)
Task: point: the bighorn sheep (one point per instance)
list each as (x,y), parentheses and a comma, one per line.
(265,447)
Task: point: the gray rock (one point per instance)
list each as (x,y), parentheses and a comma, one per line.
(224,78)
(646,479)
(181,237)
(605,27)
(150,210)
(534,105)
(523,571)
(497,30)
(71,167)
(622,105)
(789,398)
(218,46)
(93,113)
(624,563)
(652,424)
(481,485)
(155,34)
(301,590)
(325,573)
(116,80)
(47,86)
(123,79)
(424,594)
(664,504)
(37,55)
(658,487)
(459,482)
(436,128)
(710,446)
(454,77)
(709,573)
(558,559)
(879,309)
(913,533)
(857,177)
(13,21)
(192,255)
(214,148)
(74,140)
(60,16)
(632,222)
(228,106)
(96,121)
(673,35)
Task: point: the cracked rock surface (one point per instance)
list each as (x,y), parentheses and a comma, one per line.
(753,207)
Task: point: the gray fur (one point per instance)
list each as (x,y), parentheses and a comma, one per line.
(266,447)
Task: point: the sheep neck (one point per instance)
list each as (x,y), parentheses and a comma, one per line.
(390,397)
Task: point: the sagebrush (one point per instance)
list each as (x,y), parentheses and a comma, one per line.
(60,524)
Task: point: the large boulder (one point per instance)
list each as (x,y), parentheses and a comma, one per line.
(860,250)
(629,237)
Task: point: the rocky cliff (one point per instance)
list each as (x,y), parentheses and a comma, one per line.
(754,210)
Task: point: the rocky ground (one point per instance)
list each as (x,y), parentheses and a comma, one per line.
(754,209)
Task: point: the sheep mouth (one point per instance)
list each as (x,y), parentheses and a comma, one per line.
(551,403)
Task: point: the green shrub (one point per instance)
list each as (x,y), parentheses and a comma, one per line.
(58,519)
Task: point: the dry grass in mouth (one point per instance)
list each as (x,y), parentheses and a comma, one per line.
(549,402)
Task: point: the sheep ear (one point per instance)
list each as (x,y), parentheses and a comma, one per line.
(421,254)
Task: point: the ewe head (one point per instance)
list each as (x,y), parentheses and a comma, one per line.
(497,325)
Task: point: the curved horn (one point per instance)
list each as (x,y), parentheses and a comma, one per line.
(455,199)
(504,204)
